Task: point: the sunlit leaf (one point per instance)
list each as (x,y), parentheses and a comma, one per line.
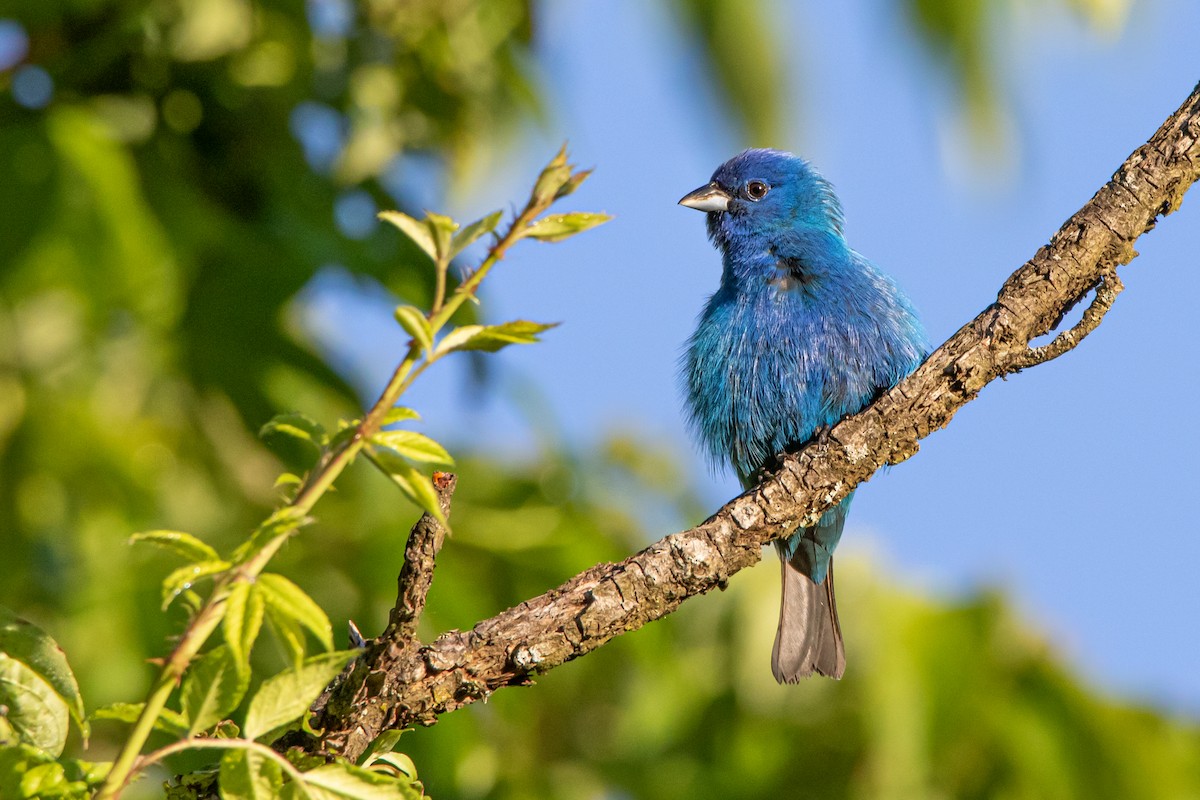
(290,634)
(494,337)
(414,484)
(442,228)
(345,781)
(480,227)
(213,687)
(288,599)
(399,414)
(185,544)
(553,177)
(573,183)
(413,446)
(455,338)
(28,644)
(383,743)
(244,608)
(283,698)
(36,712)
(249,775)
(556,227)
(416,325)
(183,578)
(417,231)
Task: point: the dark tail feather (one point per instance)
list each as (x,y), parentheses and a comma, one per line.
(809,638)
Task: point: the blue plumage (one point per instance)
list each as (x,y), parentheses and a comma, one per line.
(801,332)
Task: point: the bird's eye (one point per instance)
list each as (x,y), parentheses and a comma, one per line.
(756,190)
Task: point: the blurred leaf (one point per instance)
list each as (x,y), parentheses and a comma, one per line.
(491,338)
(287,599)
(297,426)
(249,775)
(285,697)
(399,414)
(743,45)
(413,446)
(556,227)
(416,324)
(456,338)
(480,227)
(213,688)
(24,642)
(169,721)
(185,544)
(418,232)
(573,183)
(442,228)
(183,578)
(36,712)
(243,619)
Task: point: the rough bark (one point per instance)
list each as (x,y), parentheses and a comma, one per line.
(393,685)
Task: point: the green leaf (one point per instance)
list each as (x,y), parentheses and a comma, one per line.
(28,644)
(396,764)
(574,183)
(242,622)
(399,414)
(416,325)
(442,228)
(417,231)
(464,238)
(182,579)
(297,426)
(415,485)
(556,227)
(288,599)
(286,520)
(169,721)
(185,544)
(494,337)
(344,781)
(288,479)
(212,689)
(552,178)
(413,446)
(286,697)
(290,634)
(249,775)
(454,339)
(383,743)
(36,712)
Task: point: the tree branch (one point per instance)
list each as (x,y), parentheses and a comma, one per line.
(393,686)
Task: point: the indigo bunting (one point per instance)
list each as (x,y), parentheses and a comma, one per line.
(801,332)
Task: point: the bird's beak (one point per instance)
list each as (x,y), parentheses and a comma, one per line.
(709,197)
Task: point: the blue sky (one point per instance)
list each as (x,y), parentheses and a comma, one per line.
(1069,485)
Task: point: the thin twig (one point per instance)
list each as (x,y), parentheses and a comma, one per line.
(1106,292)
(420,557)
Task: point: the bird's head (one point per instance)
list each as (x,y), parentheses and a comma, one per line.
(763,194)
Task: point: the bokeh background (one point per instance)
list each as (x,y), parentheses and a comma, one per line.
(188,246)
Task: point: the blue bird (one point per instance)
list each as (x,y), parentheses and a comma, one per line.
(801,332)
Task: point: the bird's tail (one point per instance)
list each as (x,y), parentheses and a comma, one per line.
(809,638)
